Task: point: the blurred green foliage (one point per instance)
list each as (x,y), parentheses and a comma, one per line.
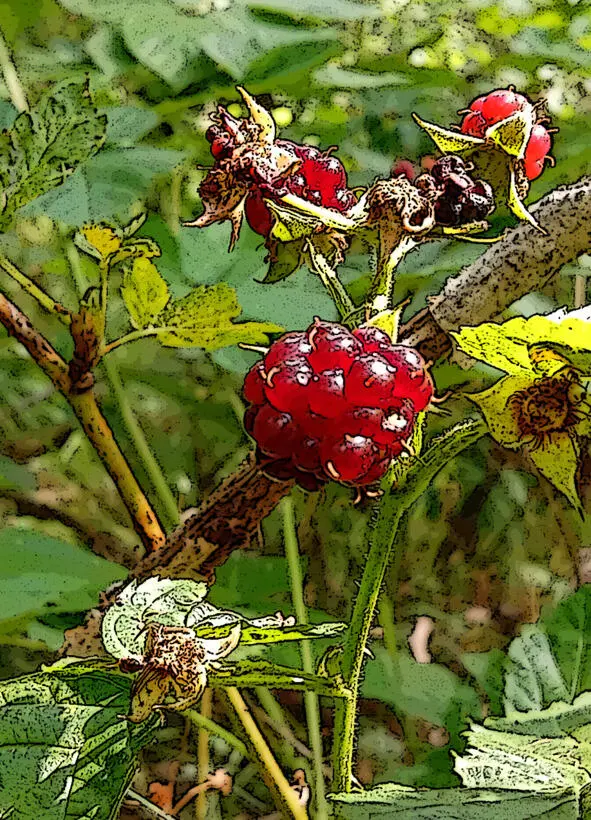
(490,544)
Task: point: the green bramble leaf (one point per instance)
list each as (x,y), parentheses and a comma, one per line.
(507,760)
(65,752)
(512,134)
(144,292)
(448,142)
(392,800)
(557,459)
(285,258)
(494,405)
(252,634)
(549,662)
(204,318)
(246,674)
(44,146)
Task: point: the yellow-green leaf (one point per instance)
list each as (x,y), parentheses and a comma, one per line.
(449,142)
(557,459)
(102,238)
(204,318)
(538,345)
(517,206)
(512,134)
(495,407)
(144,292)
(502,346)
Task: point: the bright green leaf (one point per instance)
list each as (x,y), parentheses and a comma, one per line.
(144,292)
(557,459)
(65,752)
(496,408)
(204,318)
(251,634)
(247,674)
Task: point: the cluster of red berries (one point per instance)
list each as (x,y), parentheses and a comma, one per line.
(317,177)
(497,106)
(331,404)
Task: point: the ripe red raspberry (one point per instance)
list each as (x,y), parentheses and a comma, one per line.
(536,151)
(500,104)
(328,404)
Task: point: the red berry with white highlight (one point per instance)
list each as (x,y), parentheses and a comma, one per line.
(328,404)
(537,150)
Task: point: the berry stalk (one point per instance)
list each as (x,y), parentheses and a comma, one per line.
(382,539)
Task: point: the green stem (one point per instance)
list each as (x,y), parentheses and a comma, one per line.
(311,700)
(269,767)
(11,78)
(141,445)
(34,290)
(382,289)
(132,337)
(214,728)
(382,539)
(331,282)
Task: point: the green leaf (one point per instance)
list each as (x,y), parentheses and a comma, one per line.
(448,142)
(336,76)
(204,318)
(558,720)
(65,752)
(15,476)
(45,146)
(164,601)
(514,346)
(333,10)
(40,574)
(107,186)
(246,674)
(503,760)
(392,800)
(551,660)
(515,203)
(144,292)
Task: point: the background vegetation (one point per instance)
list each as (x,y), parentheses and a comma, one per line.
(490,544)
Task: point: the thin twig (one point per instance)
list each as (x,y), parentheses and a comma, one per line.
(35,291)
(92,420)
(149,806)
(270,769)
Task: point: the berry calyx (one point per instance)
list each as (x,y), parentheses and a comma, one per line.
(328,404)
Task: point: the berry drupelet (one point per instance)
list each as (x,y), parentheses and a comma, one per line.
(331,404)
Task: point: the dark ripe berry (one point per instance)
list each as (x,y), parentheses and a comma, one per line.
(348,459)
(324,173)
(333,346)
(448,166)
(281,468)
(254,384)
(500,104)
(412,379)
(257,214)
(474,125)
(365,421)
(309,481)
(274,432)
(372,338)
(371,382)
(399,422)
(286,386)
(537,149)
(289,346)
